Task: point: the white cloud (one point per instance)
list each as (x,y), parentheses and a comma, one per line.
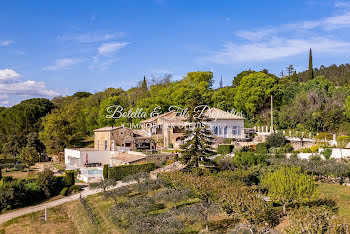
(63,64)
(276,42)
(6,43)
(275,48)
(108,49)
(8,74)
(26,88)
(11,85)
(255,35)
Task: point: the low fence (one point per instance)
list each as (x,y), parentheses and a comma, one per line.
(89,212)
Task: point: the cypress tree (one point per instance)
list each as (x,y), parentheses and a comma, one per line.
(144,84)
(310,75)
(105,171)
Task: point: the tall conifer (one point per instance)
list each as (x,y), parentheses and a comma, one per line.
(310,75)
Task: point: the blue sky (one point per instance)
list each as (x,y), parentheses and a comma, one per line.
(50,48)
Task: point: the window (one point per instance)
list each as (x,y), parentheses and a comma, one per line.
(225,131)
(219,131)
(106,144)
(215,130)
(234,130)
(238,130)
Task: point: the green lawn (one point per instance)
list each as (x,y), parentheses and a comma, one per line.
(340,193)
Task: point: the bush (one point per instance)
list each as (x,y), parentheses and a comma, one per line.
(314,148)
(323,138)
(74,189)
(276,140)
(316,220)
(64,191)
(20,167)
(262,148)
(327,153)
(8,160)
(119,172)
(248,159)
(70,177)
(105,171)
(47,182)
(225,149)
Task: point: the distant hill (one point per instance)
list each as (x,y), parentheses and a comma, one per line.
(339,75)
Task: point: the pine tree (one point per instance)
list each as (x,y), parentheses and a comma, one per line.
(310,75)
(197,137)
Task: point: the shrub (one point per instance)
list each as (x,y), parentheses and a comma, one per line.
(323,138)
(119,172)
(47,181)
(343,141)
(225,149)
(327,153)
(70,177)
(20,167)
(64,191)
(316,220)
(105,171)
(276,140)
(74,189)
(287,148)
(248,159)
(314,148)
(262,148)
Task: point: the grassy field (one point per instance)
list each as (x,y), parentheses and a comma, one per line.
(340,193)
(68,218)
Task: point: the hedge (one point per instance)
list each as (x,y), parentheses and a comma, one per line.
(261,148)
(70,177)
(8,160)
(119,172)
(225,149)
(105,171)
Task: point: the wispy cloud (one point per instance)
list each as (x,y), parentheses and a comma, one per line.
(275,49)
(276,42)
(63,64)
(108,49)
(93,37)
(6,43)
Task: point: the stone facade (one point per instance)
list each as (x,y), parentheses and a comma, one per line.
(108,138)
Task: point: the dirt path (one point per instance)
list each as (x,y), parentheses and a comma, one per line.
(27,210)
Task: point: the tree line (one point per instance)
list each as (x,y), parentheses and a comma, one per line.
(39,125)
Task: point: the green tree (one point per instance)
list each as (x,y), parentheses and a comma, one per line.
(29,156)
(254,92)
(197,137)
(47,181)
(276,140)
(289,184)
(310,75)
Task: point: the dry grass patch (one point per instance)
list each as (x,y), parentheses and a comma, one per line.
(58,222)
